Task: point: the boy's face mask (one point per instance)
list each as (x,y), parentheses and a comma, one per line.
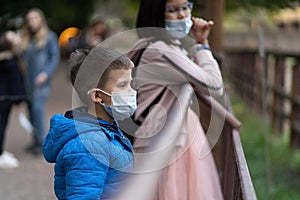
(179,28)
(123,104)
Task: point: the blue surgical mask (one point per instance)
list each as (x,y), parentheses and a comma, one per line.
(179,28)
(123,104)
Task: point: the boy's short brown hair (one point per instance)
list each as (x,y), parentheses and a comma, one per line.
(91,68)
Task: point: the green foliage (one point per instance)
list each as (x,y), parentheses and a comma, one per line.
(59,14)
(124,11)
(269,4)
(274,167)
(67,13)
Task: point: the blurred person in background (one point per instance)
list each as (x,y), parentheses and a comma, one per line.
(95,33)
(165,66)
(41,56)
(12,89)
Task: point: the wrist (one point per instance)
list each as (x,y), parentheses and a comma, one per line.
(203,42)
(197,48)
(202,47)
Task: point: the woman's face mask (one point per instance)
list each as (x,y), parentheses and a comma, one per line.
(179,28)
(123,104)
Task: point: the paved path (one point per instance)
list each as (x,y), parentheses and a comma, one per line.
(33,179)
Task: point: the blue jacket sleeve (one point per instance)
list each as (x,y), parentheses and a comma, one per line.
(86,172)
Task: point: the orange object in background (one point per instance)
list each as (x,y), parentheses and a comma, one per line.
(66,35)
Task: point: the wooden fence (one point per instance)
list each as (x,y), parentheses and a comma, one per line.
(264,69)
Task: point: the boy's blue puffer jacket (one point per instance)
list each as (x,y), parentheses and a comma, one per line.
(91,156)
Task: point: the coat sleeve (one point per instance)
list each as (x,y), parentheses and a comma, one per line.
(170,66)
(53,52)
(86,172)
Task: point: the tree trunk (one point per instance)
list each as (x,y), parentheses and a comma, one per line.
(214,10)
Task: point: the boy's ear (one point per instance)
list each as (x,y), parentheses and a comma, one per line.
(95,95)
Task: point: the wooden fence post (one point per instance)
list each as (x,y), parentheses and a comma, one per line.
(295,113)
(280,97)
(278,88)
(248,78)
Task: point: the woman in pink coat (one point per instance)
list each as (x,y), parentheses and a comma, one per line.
(163,68)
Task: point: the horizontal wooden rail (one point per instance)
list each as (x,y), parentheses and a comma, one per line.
(248,192)
(220,110)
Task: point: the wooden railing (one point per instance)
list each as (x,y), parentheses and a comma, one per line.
(229,155)
(266,74)
(228,152)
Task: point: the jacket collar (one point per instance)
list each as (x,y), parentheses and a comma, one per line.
(111,130)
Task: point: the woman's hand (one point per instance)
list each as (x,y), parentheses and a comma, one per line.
(201,29)
(41,78)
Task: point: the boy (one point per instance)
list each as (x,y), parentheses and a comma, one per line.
(91,153)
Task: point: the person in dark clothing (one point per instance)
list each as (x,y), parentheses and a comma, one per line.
(12,89)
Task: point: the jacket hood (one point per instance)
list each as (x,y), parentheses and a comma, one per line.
(61,131)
